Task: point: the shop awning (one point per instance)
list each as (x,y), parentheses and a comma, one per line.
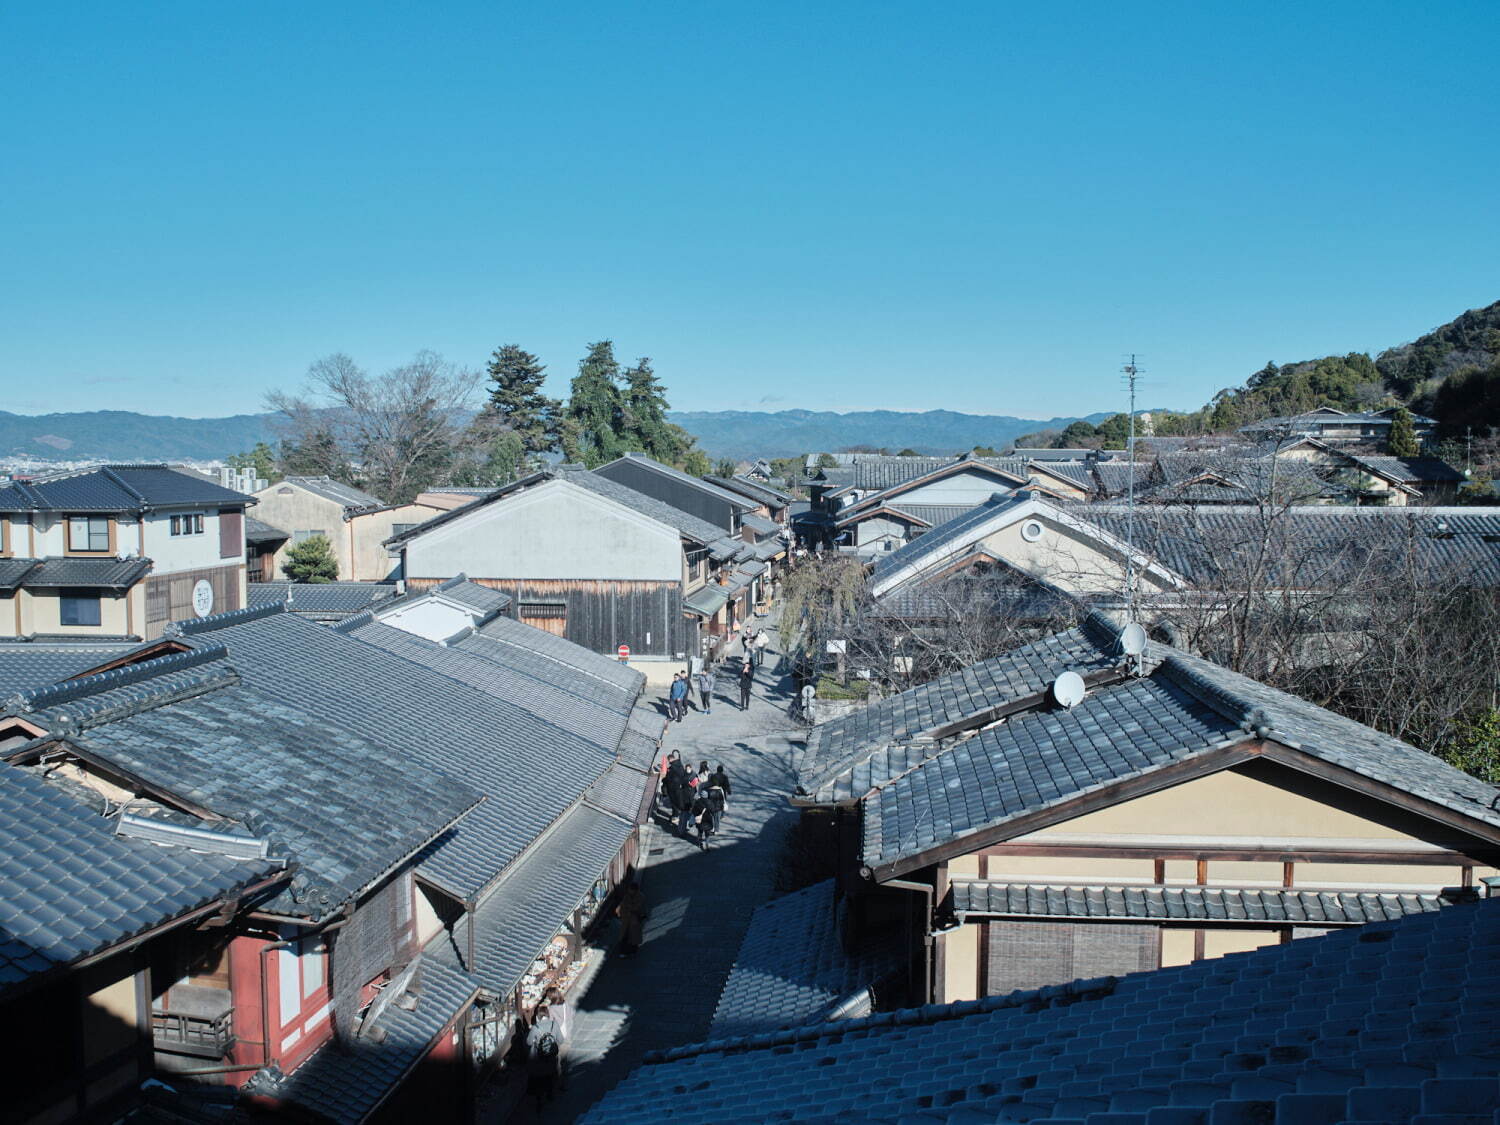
(706,600)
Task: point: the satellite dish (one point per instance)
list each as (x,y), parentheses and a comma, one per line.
(1133,639)
(1069,689)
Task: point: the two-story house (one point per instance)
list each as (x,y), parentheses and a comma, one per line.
(354,522)
(119,550)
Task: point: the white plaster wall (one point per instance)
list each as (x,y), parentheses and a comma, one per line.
(553,530)
(172,553)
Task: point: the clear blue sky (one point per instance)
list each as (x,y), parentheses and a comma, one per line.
(977,207)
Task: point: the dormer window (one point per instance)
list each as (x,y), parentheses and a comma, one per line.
(88,533)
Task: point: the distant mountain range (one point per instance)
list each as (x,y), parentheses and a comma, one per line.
(786,433)
(121,435)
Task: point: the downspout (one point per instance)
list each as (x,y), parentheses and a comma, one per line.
(265,1023)
(927,941)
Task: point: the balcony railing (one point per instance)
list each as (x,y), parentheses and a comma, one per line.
(197,1021)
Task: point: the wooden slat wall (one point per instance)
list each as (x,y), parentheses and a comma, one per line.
(602,615)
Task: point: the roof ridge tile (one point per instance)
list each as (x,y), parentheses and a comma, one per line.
(39,699)
(223,620)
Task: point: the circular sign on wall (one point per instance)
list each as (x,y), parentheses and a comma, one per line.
(203,597)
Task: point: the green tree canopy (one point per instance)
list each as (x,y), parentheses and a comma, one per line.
(311,560)
(1403,440)
(1078,433)
(595,407)
(517,401)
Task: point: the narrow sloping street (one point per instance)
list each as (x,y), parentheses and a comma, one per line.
(700,902)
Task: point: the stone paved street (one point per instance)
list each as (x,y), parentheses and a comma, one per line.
(700,902)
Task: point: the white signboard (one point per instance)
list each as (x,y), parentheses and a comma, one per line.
(838,647)
(203,597)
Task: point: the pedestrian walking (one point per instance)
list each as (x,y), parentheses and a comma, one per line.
(632,914)
(677,697)
(679,791)
(762,642)
(706,686)
(720,781)
(543,1054)
(562,1016)
(747,677)
(666,781)
(705,814)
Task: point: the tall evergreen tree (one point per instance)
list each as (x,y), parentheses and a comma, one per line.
(1403,439)
(516,399)
(595,407)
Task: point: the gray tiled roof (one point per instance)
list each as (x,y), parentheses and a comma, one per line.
(28,665)
(473,595)
(353,499)
(1037,760)
(708,488)
(621,791)
(486,667)
(48,573)
(890,472)
(529,769)
(935,515)
(792,968)
(257,531)
(516,920)
(549,656)
(758,491)
(706,600)
(345,1086)
(835,749)
(1394,1021)
(321,600)
(118,488)
(14,571)
(688,525)
(1187,904)
(70,887)
(1413,470)
(1114,476)
(918,550)
(192,730)
(1077,473)
(759,524)
(1321,545)
(1123,729)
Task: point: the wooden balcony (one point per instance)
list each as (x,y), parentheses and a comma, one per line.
(194,1021)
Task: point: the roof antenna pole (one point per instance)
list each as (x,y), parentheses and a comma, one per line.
(1131,374)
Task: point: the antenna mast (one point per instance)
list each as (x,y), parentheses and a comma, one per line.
(1132,372)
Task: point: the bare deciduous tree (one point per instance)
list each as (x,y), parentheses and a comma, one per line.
(400,432)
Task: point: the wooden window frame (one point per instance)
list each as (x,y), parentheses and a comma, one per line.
(110,524)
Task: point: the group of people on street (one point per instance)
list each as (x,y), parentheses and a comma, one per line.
(705,681)
(697,801)
(680,694)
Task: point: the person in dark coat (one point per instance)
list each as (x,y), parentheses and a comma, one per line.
(705,809)
(679,791)
(677,696)
(720,781)
(544,1056)
(747,677)
(632,915)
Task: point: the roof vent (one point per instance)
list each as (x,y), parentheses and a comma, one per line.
(1069,689)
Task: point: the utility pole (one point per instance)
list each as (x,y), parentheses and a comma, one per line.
(1132,373)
